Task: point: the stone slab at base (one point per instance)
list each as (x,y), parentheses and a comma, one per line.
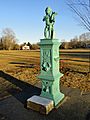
(37,103)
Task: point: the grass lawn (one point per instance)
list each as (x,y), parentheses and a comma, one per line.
(25,66)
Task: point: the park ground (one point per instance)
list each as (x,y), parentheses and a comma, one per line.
(18,77)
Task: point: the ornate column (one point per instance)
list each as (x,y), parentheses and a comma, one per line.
(50,75)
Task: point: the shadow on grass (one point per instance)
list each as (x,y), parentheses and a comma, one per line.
(22,63)
(87,61)
(78,54)
(88,116)
(72,109)
(26,90)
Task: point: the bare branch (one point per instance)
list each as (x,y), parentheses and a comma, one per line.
(82,10)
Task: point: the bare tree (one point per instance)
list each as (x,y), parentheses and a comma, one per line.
(1,44)
(82,9)
(8,39)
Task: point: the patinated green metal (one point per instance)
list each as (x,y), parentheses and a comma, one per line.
(49,19)
(49,59)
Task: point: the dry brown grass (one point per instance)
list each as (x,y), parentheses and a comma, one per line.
(25,66)
(75,50)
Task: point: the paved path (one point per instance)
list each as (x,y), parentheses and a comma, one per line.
(76,107)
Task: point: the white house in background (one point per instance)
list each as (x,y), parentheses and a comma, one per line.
(25,47)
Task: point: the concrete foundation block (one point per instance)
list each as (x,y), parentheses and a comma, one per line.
(41,104)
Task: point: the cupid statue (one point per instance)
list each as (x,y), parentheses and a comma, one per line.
(49,19)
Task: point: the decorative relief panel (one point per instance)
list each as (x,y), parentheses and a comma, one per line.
(46,86)
(46,61)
